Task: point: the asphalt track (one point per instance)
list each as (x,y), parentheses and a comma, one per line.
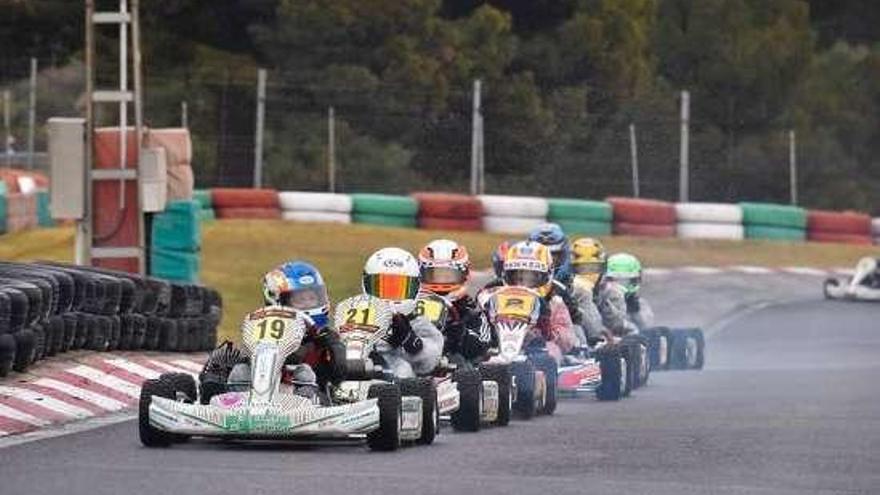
(788,403)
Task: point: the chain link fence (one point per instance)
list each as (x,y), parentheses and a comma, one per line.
(397,139)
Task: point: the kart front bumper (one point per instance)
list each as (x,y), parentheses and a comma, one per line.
(349,421)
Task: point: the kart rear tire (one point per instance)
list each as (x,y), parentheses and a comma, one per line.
(630,355)
(700,342)
(547,364)
(149,435)
(525,404)
(678,349)
(387,436)
(424,389)
(470,389)
(658,347)
(826,287)
(500,374)
(639,345)
(611,387)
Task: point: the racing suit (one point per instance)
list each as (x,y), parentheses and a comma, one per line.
(468,336)
(591,324)
(412,347)
(622,314)
(556,327)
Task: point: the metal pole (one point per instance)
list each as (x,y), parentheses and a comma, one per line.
(137,72)
(475,137)
(331,149)
(7,124)
(685,144)
(83,245)
(261,114)
(482,156)
(184,115)
(123,105)
(32,113)
(634,154)
(792,165)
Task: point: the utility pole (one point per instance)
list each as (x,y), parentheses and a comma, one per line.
(261,114)
(475,139)
(634,155)
(331,149)
(32,113)
(792,165)
(683,179)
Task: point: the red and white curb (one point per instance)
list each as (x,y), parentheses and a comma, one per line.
(56,392)
(749,270)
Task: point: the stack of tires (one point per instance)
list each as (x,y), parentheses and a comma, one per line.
(709,221)
(206,205)
(44,214)
(841,227)
(176,242)
(48,308)
(774,222)
(447,211)
(384,209)
(875,230)
(577,216)
(315,207)
(21,212)
(643,217)
(231,203)
(512,214)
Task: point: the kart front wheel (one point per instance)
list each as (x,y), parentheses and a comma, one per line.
(424,389)
(500,374)
(151,436)
(547,364)
(470,409)
(526,404)
(387,436)
(612,367)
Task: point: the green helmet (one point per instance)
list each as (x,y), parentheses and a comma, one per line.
(626,270)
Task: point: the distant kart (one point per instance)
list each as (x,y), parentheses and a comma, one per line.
(864,285)
(611,370)
(675,348)
(266,407)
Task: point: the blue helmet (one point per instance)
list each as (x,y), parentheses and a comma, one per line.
(552,236)
(298,285)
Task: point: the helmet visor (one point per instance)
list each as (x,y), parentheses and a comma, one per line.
(589,268)
(392,287)
(630,283)
(526,278)
(445,275)
(306,298)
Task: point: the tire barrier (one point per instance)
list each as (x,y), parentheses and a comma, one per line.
(315,207)
(770,233)
(176,242)
(709,213)
(644,229)
(708,230)
(206,211)
(21,212)
(247,213)
(579,209)
(245,203)
(875,230)
(384,209)
(584,227)
(842,227)
(510,225)
(643,217)
(709,221)
(512,214)
(774,222)
(448,205)
(50,308)
(316,216)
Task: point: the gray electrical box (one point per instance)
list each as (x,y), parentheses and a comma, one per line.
(67,146)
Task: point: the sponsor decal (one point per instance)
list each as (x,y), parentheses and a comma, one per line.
(307,280)
(245,422)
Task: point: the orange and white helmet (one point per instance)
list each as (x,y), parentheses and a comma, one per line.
(529,264)
(444,266)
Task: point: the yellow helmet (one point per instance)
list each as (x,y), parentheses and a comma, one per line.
(529,264)
(588,261)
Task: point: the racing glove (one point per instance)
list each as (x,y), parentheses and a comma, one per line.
(402,335)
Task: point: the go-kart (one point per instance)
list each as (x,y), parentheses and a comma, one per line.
(610,369)
(513,312)
(363,321)
(864,285)
(485,394)
(266,406)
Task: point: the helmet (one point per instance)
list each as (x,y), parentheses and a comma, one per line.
(552,236)
(588,259)
(498,257)
(392,274)
(527,264)
(298,285)
(626,270)
(444,266)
